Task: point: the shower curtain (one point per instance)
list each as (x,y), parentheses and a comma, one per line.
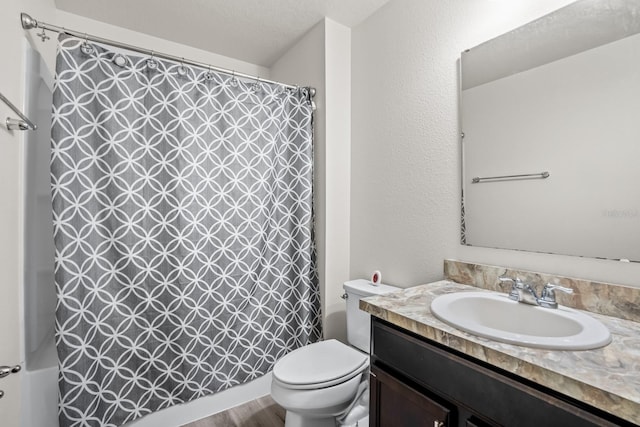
(183,228)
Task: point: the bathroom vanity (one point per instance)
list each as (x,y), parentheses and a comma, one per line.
(427,373)
(425,384)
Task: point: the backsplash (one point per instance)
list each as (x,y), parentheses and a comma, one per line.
(604,298)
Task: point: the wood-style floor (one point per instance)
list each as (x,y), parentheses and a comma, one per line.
(263,412)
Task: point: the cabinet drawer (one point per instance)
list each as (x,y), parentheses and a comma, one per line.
(482,391)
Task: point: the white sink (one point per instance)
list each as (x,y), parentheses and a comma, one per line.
(497,317)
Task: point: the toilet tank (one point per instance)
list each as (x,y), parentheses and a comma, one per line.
(358,321)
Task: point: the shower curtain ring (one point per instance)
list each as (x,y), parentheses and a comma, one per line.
(151,62)
(86,47)
(182,70)
(256,85)
(209,75)
(234,80)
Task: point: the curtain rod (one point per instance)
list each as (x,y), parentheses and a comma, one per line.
(28,23)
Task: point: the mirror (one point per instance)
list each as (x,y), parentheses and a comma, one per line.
(557,100)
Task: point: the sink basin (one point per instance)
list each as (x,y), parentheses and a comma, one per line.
(497,317)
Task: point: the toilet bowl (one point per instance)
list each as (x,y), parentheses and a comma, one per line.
(325,381)
(318,382)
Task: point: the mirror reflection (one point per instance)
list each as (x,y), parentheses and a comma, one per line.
(559,96)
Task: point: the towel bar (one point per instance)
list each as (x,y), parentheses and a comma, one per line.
(528,175)
(14,124)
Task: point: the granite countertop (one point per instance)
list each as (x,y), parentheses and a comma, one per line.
(607,378)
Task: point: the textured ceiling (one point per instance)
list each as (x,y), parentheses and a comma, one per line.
(255,31)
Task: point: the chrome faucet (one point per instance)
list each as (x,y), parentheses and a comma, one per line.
(524,292)
(516,286)
(548,297)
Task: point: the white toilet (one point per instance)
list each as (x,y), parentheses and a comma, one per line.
(326,381)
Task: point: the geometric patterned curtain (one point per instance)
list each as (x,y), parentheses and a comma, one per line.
(183,228)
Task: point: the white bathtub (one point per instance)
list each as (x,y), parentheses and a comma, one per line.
(40,391)
(40,372)
(39,397)
(40,394)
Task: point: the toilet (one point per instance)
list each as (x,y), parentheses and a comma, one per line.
(326,383)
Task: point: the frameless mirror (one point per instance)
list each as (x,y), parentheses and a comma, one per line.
(551,127)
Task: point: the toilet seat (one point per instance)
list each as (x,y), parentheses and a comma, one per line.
(319,365)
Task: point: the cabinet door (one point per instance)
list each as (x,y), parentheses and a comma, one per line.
(395,404)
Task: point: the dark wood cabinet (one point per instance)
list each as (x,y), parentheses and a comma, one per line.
(418,382)
(474,422)
(397,404)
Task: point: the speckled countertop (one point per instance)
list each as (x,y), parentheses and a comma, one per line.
(607,378)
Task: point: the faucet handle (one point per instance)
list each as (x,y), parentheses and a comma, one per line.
(550,288)
(515,285)
(548,298)
(505,279)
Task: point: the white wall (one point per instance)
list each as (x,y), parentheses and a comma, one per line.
(337,174)
(405,183)
(322,59)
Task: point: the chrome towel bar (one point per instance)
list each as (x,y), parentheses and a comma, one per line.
(541,175)
(15,124)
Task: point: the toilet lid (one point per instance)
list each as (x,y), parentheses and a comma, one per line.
(321,362)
